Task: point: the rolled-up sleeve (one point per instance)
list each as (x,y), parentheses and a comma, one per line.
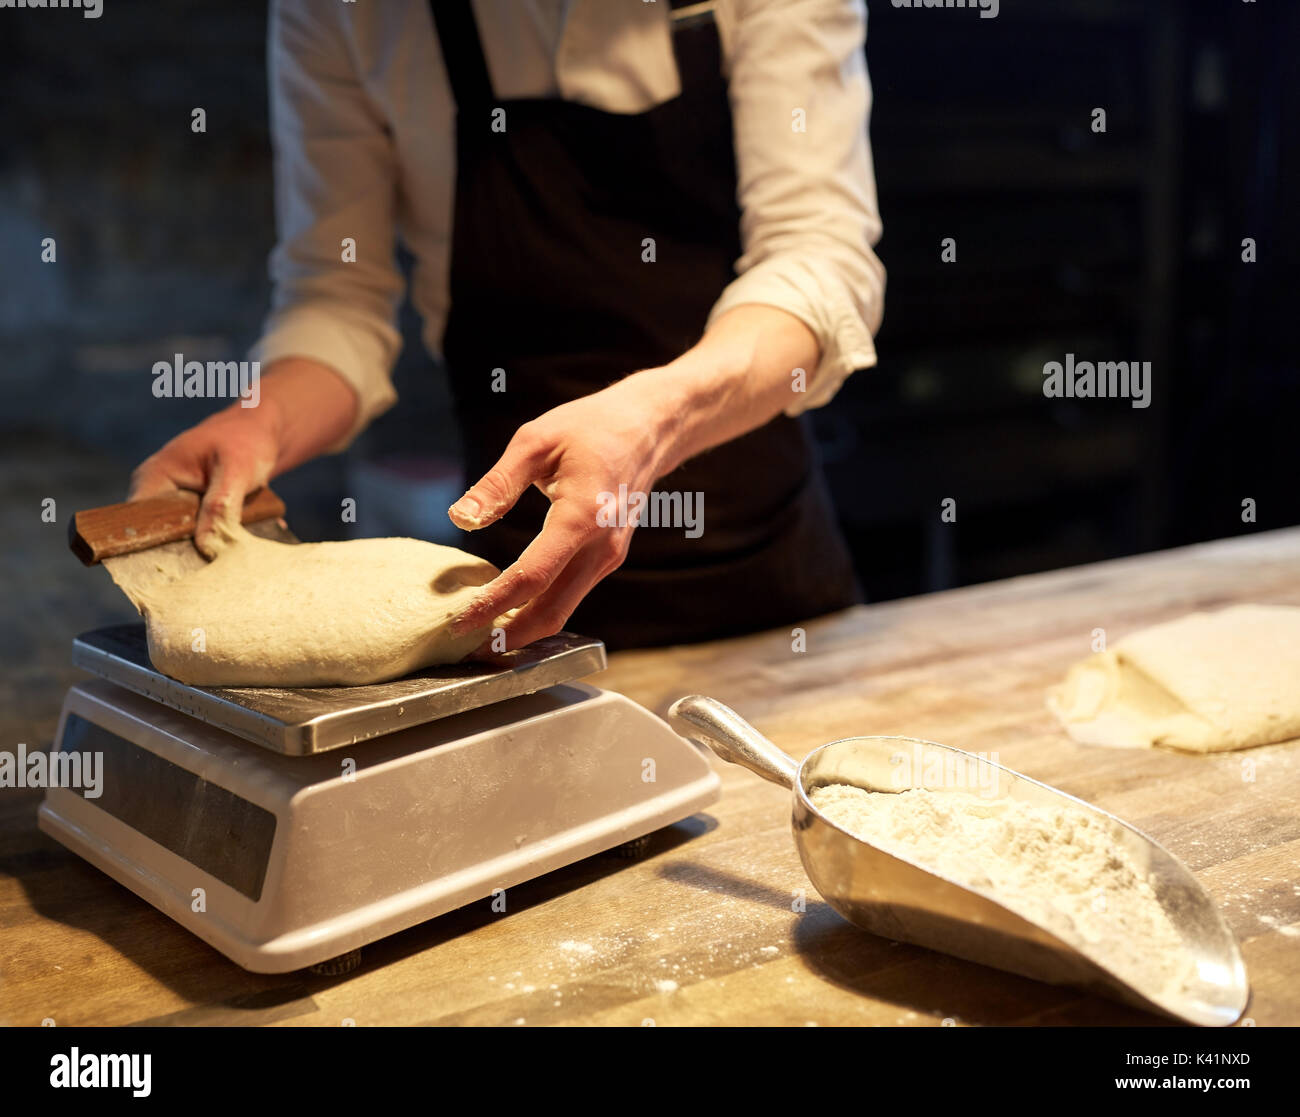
(801,102)
(335,187)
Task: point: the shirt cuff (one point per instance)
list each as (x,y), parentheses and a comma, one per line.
(362,356)
(840,322)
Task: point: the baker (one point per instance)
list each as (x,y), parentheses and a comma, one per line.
(642,238)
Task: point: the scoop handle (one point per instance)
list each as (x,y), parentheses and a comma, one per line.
(711,723)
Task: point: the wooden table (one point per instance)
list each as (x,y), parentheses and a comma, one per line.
(702,930)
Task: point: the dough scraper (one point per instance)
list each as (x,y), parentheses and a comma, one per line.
(146,542)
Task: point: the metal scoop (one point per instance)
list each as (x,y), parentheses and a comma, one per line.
(898,899)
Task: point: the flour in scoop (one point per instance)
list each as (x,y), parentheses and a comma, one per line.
(1056,866)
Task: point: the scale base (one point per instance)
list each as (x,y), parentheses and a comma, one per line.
(285,862)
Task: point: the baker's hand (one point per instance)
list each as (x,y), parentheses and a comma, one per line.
(226,456)
(738,376)
(303,408)
(573,454)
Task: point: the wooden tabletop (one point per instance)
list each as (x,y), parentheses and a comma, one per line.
(702,931)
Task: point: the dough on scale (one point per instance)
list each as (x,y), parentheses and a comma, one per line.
(1207,682)
(313,614)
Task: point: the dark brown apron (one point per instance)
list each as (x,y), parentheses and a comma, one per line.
(548,284)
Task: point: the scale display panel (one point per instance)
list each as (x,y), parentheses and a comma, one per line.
(213,829)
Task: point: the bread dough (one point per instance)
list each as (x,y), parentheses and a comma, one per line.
(266,613)
(1206,682)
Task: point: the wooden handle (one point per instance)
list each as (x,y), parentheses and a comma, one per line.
(137,525)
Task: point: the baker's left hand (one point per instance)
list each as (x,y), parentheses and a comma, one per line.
(573,454)
(739,375)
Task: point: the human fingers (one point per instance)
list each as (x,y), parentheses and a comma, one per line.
(564,533)
(497,491)
(550,611)
(231,477)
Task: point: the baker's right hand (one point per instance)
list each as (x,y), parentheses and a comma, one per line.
(303,408)
(224,457)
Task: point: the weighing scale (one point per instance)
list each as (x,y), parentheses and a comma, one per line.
(288,828)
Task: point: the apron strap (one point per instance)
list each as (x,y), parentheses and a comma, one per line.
(471,85)
(462,53)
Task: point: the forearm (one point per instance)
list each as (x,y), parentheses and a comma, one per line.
(336,283)
(740,375)
(308,407)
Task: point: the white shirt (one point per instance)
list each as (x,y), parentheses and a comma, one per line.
(363,124)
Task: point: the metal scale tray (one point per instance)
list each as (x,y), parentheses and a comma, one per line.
(316,719)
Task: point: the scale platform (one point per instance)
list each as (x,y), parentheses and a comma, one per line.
(288,828)
(316,719)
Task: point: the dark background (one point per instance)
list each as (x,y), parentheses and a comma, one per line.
(1122,246)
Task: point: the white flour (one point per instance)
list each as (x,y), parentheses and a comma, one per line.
(1056,866)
